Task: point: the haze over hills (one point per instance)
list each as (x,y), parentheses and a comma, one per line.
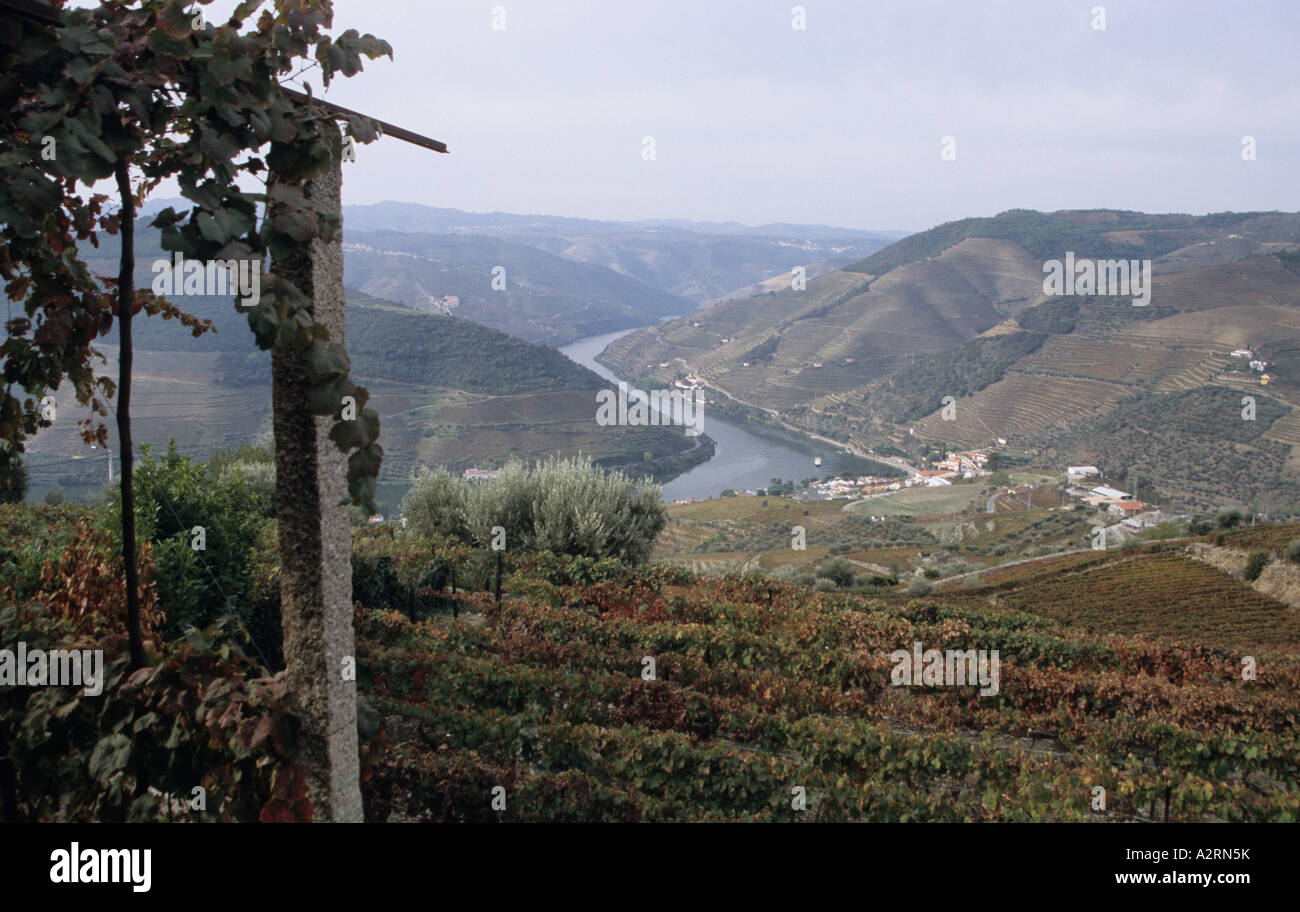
(539,297)
(449,391)
(566,278)
(698,261)
(866,354)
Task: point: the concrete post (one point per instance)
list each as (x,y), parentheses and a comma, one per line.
(315,538)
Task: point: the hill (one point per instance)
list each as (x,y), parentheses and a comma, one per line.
(449,391)
(759,686)
(867,354)
(698,261)
(543,297)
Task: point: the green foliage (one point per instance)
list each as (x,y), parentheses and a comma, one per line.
(918,586)
(1150,435)
(1055,315)
(409,574)
(204,106)
(448,351)
(198,714)
(839,571)
(173,496)
(763,351)
(1290,259)
(760,685)
(1293,551)
(13,477)
(568,506)
(917,389)
(1255,565)
(1228,519)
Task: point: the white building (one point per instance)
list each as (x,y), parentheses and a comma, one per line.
(1107,493)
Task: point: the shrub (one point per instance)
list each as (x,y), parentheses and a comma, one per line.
(568,506)
(1293,551)
(875,580)
(1255,565)
(173,495)
(972,583)
(13,477)
(199,713)
(825,584)
(839,571)
(1228,519)
(435,505)
(918,586)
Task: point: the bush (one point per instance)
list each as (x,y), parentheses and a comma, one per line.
(13,477)
(1255,565)
(838,571)
(1228,519)
(435,505)
(875,580)
(972,583)
(825,584)
(568,506)
(1293,551)
(173,495)
(918,586)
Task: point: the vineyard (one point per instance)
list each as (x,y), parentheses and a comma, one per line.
(1164,594)
(596,692)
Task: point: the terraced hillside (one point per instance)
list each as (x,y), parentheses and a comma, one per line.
(771,702)
(448,391)
(868,354)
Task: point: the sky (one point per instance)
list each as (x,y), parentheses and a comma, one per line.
(842,122)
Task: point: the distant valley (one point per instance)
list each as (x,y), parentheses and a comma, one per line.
(867,354)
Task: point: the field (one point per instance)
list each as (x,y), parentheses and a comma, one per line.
(922,501)
(652,695)
(1165,594)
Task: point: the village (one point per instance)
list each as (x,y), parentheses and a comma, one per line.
(1082,484)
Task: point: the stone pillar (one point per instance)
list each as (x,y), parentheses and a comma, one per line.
(315,538)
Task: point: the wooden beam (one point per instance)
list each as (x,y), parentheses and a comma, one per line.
(43,12)
(386,128)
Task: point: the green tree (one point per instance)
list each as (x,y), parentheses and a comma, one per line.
(13,477)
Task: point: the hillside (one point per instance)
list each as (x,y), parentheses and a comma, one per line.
(545,298)
(448,391)
(759,686)
(698,261)
(866,354)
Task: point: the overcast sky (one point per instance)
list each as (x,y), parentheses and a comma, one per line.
(840,123)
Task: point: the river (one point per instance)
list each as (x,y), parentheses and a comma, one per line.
(748,456)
